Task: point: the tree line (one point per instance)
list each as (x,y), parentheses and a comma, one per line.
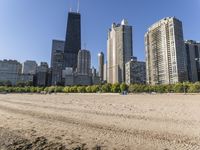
(185,87)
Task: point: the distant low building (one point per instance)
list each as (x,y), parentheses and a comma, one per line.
(10,71)
(135,72)
(42,74)
(26,78)
(83,80)
(29,67)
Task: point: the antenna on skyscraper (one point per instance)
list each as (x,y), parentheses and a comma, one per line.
(78,6)
(84,45)
(70,6)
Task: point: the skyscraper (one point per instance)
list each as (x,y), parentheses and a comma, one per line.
(165,53)
(84,62)
(119,51)
(72,40)
(193,60)
(101,65)
(57,61)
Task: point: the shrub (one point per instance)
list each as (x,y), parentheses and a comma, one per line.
(95,88)
(39,89)
(115,88)
(66,89)
(81,89)
(123,87)
(137,88)
(58,89)
(73,89)
(52,89)
(89,89)
(2,89)
(106,88)
(194,88)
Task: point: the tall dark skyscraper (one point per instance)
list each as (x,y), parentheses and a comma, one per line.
(73,40)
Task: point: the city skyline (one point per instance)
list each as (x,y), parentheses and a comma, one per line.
(34,46)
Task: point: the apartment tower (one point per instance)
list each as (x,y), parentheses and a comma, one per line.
(165,52)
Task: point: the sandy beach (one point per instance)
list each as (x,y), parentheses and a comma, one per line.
(100,121)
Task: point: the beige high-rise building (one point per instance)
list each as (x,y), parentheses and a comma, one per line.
(119,51)
(165,53)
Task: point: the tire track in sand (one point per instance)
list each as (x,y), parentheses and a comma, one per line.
(166,138)
(100,113)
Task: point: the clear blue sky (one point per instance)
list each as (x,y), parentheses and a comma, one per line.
(27,27)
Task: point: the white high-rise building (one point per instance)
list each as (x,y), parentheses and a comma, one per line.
(165,53)
(119,51)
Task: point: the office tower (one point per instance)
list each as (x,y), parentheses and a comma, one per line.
(135,72)
(193,60)
(29,67)
(101,65)
(165,52)
(72,40)
(42,74)
(84,62)
(10,71)
(119,51)
(57,61)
